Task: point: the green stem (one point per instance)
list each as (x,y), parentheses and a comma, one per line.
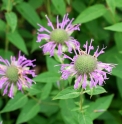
(7,28)
(41,102)
(6,40)
(7,113)
(81,99)
(48,8)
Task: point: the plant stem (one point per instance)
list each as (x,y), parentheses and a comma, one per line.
(7,28)
(6,40)
(41,102)
(81,99)
(48,8)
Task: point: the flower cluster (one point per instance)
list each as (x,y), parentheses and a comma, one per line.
(85,67)
(87,70)
(14,74)
(59,37)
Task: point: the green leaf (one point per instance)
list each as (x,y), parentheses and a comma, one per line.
(69,116)
(90,13)
(117,71)
(17,1)
(11,20)
(120,112)
(108,116)
(16,39)
(34,89)
(35,45)
(36,4)
(30,110)
(116,27)
(58,58)
(95,91)
(49,107)
(6,54)
(51,64)
(7,5)
(119,3)
(60,6)
(112,5)
(46,91)
(37,119)
(2,29)
(67,93)
(47,77)
(110,55)
(2,25)
(78,5)
(99,106)
(17,102)
(28,12)
(119,86)
(25,33)
(118,38)
(84,118)
(68,1)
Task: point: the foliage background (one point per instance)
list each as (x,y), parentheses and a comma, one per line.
(101,20)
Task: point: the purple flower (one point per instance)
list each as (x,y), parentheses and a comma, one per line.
(59,37)
(86,68)
(14,74)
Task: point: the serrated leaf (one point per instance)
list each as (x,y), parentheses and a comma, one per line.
(99,106)
(16,39)
(28,12)
(95,91)
(116,27)
(90,13)
(67,93)
(17,102)
(84,118)
(28,111)
(11,20)
(47,77)
(60,6)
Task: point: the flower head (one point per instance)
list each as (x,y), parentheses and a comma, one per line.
(59,37)
(15,74)
(86,67)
